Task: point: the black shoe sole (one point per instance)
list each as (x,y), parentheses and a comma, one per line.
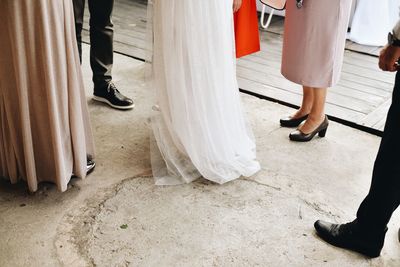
(104,100)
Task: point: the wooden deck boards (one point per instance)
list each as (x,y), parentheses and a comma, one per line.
(362,96)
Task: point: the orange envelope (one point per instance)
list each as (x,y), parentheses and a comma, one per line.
(246,29)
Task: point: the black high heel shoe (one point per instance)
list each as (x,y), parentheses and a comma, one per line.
(299,136)
(289,122)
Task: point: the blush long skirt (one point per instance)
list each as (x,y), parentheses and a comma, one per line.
(45,133)
(314,41)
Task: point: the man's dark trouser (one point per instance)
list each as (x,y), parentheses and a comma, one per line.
(101,37)
(384,195)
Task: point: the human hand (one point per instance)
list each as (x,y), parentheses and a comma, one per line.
(236,5)
(389,57)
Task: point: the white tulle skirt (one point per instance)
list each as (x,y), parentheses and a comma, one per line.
(199,126)
(373,20)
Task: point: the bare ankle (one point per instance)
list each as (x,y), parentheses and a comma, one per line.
(316,118)
(301,113)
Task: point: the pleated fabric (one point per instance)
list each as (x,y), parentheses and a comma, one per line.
(314,41)
(45,133)
(199,126)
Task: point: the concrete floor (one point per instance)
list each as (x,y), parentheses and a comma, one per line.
(117,217)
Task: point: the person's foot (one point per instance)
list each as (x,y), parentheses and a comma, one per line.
(296,119)
(300,136)
(90,165)
(110,95)
(312,123)
(292,121)
(349,236)
(301,113)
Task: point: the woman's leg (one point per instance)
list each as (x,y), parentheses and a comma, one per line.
(307,103)
(317,113)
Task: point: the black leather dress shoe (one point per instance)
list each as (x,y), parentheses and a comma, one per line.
(90,166)
(289,122)
(299,136)
(110,95)
(349,236)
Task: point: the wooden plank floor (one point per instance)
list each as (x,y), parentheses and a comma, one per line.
(362,96)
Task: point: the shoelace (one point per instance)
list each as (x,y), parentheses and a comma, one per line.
(111,86)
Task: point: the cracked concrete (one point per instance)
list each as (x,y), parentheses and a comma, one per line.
(118,217)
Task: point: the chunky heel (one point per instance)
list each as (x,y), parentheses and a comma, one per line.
(299,136)
(323,133)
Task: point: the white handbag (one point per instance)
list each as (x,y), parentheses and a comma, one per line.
(275,4)
(280,4)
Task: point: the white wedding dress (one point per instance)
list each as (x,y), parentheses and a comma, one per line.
(199,127)
(373,20)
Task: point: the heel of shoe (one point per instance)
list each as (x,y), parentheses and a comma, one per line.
(323,133)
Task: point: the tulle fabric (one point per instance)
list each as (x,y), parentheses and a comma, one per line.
(373,20)
(198,125)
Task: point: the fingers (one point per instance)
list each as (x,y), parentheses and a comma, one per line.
(392,68)
(389,66)
(388,59)
(235,7)
(383,50)
(393,64)
(382,61)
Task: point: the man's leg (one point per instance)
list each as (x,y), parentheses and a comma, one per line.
(101,41)
(79,9)
(101,55)
(384,195)
(366,234)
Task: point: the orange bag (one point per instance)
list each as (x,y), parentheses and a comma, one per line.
(246,29)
